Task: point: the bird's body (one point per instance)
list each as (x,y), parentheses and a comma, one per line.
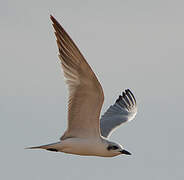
(87,134)
(82,146)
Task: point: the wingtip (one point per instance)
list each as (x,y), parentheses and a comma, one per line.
(123,94)
(127,90)
(119,98)
(52,18)
(55,23)
(130,92)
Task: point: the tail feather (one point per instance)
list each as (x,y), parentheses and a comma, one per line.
(49,147)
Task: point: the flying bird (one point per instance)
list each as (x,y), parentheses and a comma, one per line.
(87,133)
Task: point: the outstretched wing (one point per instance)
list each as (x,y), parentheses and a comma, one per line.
(123,110)
(85,92)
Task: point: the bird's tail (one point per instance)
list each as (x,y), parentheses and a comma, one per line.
(49,147)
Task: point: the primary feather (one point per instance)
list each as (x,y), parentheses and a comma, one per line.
(124,109)
(85,92)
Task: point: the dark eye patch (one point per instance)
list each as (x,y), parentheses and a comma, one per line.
(112,147)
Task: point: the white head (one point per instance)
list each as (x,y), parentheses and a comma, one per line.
(115,149)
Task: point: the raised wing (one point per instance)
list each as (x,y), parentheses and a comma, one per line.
(85,92)
(123,110)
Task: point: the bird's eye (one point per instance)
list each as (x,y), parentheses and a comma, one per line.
(112,147)
(115,147)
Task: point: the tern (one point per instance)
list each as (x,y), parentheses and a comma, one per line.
(87,134)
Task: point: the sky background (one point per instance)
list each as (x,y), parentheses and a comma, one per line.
(129,44)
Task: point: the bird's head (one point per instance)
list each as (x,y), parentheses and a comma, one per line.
(116,149)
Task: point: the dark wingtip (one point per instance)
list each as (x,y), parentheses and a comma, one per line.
(128,90)
(120,97)
(53,19)
(123,94)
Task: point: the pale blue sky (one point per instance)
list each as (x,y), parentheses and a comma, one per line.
(129,44)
